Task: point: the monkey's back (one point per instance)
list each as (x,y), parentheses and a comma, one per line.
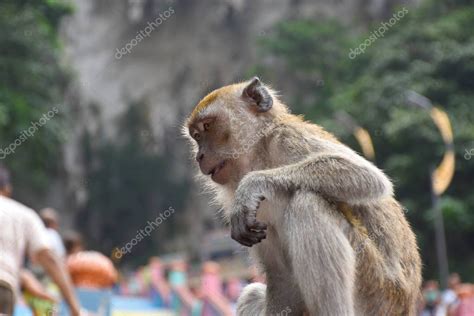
(388,265)
(388,272)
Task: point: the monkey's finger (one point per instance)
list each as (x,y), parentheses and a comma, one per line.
(238,238)
(238,234)
(256,240)
(257,226)
(247,231)
(255,231)
(254,237)
(261,237)
(259,234)
(244,241)
(247,238)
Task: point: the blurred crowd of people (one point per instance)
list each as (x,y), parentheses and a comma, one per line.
(54,266)
(201,290)
(456,300)
(211,286)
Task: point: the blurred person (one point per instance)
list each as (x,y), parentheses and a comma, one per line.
(212,291)
(160,287)
(464,306)
(22,230)
(73,243)
(178,273)
(431,298)
(449,297)
(31,285)
(88,269)
(233,288)
(51,221)
(37,302)
(256,275)
(36,296)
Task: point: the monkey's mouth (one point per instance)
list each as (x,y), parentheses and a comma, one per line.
(214,171)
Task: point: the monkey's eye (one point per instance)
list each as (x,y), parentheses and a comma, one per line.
(197,136)
(206,126)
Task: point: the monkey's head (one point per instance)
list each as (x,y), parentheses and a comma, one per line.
(226,126)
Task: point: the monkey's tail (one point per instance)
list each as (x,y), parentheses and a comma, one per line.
(252,301)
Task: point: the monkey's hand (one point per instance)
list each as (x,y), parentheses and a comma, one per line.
(245,229)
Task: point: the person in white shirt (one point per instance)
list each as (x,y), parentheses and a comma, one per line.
(449,298)
(22,231)
(51,221)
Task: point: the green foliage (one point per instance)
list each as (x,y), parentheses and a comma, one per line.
(430,51)
(31,84)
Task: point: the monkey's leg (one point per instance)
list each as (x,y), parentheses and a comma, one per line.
(322,259)
(283,294)
(252,301)
(279,297)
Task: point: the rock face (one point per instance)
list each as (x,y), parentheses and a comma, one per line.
(168,54)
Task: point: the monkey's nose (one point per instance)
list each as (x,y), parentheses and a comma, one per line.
(199,157)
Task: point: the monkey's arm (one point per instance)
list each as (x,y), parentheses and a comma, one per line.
(340,177)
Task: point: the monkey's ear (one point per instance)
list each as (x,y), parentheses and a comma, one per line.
(258,95)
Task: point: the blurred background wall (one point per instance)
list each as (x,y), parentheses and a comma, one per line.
(201,46)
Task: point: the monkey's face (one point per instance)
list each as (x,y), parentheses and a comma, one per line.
(212,137)
(224,126)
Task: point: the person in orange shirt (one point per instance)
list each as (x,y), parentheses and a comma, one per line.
(88,269)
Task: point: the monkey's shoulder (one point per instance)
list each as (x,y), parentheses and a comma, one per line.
(294,141)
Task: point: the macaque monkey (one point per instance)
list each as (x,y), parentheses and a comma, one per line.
(320,220)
